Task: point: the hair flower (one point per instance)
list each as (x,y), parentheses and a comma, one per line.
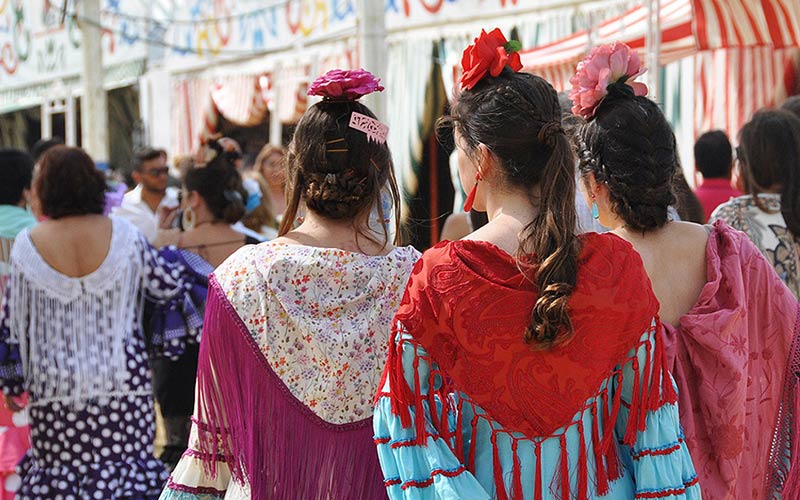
(490,53)
(604,66)
(345,85)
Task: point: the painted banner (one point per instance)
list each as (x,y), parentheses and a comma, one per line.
(35,46)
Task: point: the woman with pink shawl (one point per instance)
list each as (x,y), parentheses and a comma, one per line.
(730,323)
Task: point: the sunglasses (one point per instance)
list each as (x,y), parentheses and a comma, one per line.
(155,172)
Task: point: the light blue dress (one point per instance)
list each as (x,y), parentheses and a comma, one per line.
(656,466)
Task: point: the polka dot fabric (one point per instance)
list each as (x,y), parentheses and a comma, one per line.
(101,447)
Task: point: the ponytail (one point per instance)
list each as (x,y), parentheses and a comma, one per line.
(551,240)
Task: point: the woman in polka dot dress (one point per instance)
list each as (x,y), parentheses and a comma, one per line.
(88,302)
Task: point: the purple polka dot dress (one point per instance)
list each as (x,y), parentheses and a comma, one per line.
(81,348)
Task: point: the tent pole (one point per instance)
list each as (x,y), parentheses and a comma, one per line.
(653,48)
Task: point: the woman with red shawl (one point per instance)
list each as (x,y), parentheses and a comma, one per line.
(526,361)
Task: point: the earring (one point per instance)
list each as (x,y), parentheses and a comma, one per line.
(187,220)
(595,210)
(471,196)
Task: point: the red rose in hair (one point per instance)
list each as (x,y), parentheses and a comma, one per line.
(490,53)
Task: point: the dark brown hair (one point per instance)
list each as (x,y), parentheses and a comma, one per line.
(68,183)
(518,118)
(630,147)
(336,170)
(220,185)
(769,152)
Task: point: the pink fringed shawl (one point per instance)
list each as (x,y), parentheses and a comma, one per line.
(271,441)
(735,358)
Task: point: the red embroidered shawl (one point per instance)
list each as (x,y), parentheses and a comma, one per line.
(468,305)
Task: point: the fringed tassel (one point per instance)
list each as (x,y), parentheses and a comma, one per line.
(401,397)
(499,485)
(583,470)
(602,478)
(633,414)
(460,430)
(648,388)
(565,485)
(419,419)
(473,440)
(791,488)
(537,487)
(516,492)
(609,434)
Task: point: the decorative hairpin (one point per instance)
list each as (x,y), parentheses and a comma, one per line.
(375,130)
(604,66)
(345,85)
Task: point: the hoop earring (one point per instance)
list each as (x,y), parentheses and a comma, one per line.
(188,219)
(471,196)
(595,210)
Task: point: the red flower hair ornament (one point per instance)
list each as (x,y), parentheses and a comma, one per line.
(605,65)
(345,85)
(490,53)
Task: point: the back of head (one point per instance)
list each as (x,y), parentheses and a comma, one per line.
(42,145)
(336,169)
(219,183)
(627,142)
(16,172)
(713,155)
(792,105)
(769,154)
(68,183)
(517,117)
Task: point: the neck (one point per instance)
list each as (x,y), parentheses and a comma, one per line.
(514,204)
(152,198)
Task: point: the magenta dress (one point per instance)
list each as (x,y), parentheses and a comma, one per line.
(736,357)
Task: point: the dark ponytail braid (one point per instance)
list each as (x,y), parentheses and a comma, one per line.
(517,117)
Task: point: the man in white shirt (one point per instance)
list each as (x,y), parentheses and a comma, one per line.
(140,205)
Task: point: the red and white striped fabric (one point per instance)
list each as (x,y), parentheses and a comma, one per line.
(737,82)
(556,61)
(741,23)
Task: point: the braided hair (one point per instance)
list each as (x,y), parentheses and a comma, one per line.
(629,146)
(518,118)
(336,170)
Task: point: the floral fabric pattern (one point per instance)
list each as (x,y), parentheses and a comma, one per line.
(768,231)
(332,309)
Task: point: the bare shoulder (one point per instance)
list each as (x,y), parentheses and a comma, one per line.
(687,234)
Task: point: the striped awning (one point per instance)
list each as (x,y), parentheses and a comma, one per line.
(687,27)
(556,61)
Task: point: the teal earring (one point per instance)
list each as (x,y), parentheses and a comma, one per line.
(595,210)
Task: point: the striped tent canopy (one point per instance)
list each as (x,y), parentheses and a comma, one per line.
(687,26)
(745,53)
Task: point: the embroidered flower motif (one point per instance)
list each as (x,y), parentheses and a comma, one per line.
(348,85)
(605,65)
(490,53)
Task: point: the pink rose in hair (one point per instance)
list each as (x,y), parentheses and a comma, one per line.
(605,65)
(345,85)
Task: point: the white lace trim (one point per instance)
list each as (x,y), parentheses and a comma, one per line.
(72,332)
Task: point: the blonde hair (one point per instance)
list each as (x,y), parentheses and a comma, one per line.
(262,215)
(267,151)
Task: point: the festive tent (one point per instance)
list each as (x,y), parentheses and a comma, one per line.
(745,52)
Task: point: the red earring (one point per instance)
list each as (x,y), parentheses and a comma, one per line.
(471,196)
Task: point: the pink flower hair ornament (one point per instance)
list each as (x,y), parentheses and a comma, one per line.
(605,65)
(345,85)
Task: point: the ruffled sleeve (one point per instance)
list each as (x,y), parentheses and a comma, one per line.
(190,480)
(411,471)
(658,458)
(11,377)
(175,295)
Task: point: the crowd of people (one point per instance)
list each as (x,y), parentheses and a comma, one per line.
(589,327)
